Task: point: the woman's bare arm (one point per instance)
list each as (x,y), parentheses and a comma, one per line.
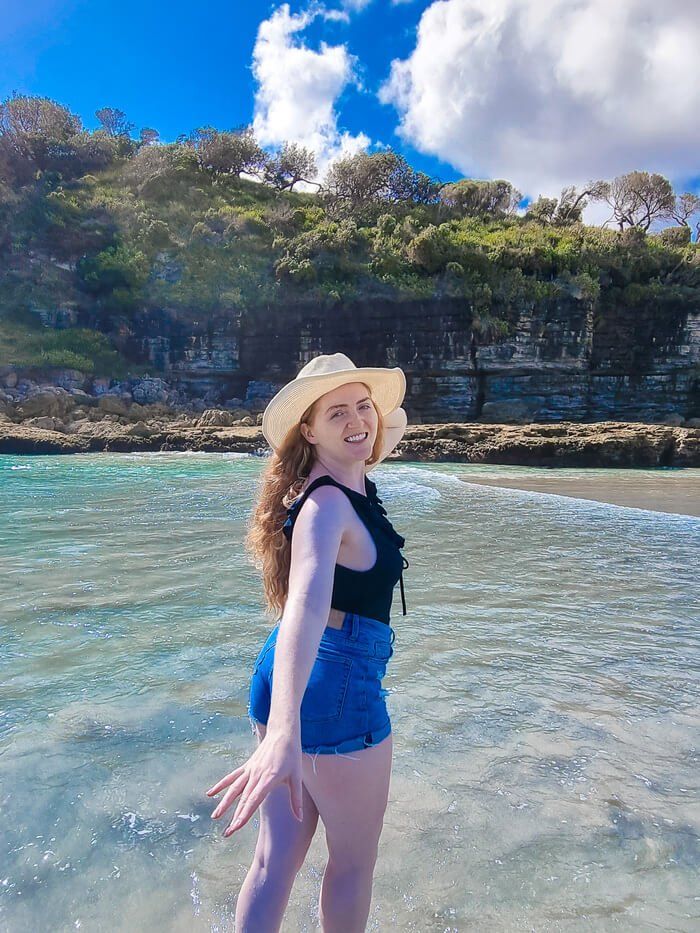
(316,541)
(318,531)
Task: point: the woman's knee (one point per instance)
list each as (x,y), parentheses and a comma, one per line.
(353,853)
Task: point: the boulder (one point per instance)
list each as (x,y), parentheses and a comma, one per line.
(215,417)
(83,398)
(70,379)
(49,401)
(98,429)
(674,419)
(140,429)
(148,391)
(242,413)
(150,411)
(77,426)
(114,404)
(46,423)
(100,386)
(6,406)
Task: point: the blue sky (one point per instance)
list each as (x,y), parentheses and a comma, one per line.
(485,89)
(179,65)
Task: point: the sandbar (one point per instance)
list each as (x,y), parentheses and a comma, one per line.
(674,492)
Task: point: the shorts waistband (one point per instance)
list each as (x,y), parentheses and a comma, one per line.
(355,624)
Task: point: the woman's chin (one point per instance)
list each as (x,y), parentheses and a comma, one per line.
(359,451)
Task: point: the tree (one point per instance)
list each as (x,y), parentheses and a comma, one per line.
(23,115)
(470,197)
(543,210)
(686,206)
(638,199)
(114,121)
(360,181)
(568,209)
(156,170)
(227,153)
(291,164)
(149,137)
(30,130)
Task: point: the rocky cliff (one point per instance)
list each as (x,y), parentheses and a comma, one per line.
(568,358)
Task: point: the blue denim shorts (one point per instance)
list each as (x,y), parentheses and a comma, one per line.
(343,708)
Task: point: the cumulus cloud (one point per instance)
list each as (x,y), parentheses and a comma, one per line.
(298,87)
(552,92)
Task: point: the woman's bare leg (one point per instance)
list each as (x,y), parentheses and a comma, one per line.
(279,854)
(351,795)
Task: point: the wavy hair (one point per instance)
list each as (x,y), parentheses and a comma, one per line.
(279,484)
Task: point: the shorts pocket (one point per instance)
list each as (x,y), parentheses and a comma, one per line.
(382,651)
(326,689)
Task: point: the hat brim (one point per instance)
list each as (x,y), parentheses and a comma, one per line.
(394,428)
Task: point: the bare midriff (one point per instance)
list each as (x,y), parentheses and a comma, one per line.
(335,618)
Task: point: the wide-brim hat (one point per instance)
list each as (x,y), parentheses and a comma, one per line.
(323,374)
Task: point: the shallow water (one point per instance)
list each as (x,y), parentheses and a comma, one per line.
(543,694)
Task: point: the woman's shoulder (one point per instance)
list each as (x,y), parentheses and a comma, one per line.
(329,498)
(325,494)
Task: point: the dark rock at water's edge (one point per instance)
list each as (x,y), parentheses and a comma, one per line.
(566,444)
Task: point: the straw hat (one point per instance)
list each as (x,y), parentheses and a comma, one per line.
(324,373)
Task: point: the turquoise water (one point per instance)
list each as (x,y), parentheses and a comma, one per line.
(543,692)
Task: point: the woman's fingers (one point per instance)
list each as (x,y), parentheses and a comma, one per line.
(247,805)
(236,788)
(296,795)
(225,781)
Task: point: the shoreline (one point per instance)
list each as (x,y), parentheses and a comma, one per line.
(675,494)
(616,444)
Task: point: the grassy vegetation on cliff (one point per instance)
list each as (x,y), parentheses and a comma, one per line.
(121,228)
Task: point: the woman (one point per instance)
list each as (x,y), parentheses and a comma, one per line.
(324,735)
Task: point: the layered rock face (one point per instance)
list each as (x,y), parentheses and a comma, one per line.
(565,359)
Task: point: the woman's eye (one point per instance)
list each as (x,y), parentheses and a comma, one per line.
(366,405)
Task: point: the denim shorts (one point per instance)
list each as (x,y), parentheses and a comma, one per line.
(343,707)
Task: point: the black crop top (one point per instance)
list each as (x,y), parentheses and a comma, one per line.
(367,592)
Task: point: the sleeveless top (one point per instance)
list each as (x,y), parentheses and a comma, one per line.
(367,592)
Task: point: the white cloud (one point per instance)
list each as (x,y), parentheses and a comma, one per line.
(553,92)
(298,87)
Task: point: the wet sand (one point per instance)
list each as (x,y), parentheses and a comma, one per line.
(678,493)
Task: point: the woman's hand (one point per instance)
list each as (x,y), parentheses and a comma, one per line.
(276,760)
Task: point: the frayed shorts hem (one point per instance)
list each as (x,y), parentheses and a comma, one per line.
(356,744)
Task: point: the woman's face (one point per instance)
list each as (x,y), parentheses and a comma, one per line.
(340,414)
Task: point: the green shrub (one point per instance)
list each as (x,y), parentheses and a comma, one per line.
(431,249)
(674,236)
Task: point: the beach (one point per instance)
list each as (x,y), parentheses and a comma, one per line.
(672,491)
